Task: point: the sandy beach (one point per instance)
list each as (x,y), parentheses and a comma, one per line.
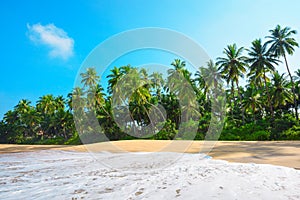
(283,153)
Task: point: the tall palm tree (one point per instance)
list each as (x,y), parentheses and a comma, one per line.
(78,107)
(261,62)
(181,82)
(232,66)
(282,43)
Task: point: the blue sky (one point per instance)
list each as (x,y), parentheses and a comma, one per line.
(43,43)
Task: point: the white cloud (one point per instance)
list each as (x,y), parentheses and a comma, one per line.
(56,39)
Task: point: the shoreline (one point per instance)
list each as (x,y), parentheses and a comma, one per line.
(282,153)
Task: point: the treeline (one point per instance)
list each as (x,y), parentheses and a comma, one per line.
(264,109)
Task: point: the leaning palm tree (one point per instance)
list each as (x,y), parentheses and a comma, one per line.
(261,62)
(282,43)
(232,66)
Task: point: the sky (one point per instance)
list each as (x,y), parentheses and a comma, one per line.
(44,43)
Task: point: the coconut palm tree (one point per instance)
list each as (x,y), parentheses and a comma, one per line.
(179,70)
(113,78)
(282,43)
(178,64)
(23,106)
(90,77)
(46,104)
(157,83)
(252,101)
(281,91)
(232,67)
(181,83)
(261,62)
(297,84)
(60,103)
(211,75)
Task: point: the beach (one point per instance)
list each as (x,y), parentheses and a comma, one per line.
(147,169)
(282,153)
(66,174)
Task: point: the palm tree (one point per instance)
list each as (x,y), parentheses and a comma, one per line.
(297,84)
(157,83)
(90,77)
(60,102)
(211,75)
(252,101)
(232,66)
(281,93)
(46,104)
(78,107)
(178,64)
(182,84)
(261,62)
(200,82)
(116,75)
(22,109)
(175,75)
(179,70)
(23,106)
(32,122)
(282,43)
(113,78)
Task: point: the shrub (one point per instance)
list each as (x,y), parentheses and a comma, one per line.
(56,140)
(291,134)
(74,140)
(259,135)
(168,132)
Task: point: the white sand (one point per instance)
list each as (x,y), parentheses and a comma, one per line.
(79,175)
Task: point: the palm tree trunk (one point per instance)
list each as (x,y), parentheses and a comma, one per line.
(232,99)
(240,97)
(293,87)
(269,98)
(253,110)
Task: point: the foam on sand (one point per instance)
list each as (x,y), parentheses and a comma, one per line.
(66,175)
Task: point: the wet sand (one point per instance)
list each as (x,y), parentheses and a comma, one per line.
(283,153)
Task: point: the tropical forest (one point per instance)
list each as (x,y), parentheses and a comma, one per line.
(261,103)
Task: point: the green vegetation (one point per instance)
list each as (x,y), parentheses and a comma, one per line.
(264,109)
